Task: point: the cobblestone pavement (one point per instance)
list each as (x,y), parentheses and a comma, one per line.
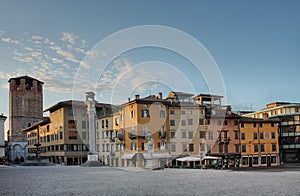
(76,180)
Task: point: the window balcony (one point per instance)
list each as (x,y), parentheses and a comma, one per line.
(120,137)
(223,140)
(162,134)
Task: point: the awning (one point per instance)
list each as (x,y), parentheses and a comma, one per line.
(188,159)
(127,156)
(211,158)
(157,156)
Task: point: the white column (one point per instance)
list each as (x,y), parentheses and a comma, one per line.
(91,111)
(2,143)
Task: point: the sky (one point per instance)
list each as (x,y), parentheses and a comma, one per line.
(254,44)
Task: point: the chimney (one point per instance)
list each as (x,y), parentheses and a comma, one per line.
(137,97)
(159,95)
(128,99)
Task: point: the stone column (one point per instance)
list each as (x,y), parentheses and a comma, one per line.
(2,143)
(91,111)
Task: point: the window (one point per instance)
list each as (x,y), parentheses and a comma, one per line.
(72,135)
(98,135)
(262,148)
(191,134)
(107,147)
(163,145)
(184,149)
(226,148)
(263,160)
(225,122)
(272,124)
(71,112)
(202,134)
(161,113)
(273,159)
(254,136)
(260,125)
(172,134)
(208,122)
(191,147)
(103,147)
(261,135)
(183,123)
(182,112)
(210,135)
(84,135)
(245,160)
(190,121)
(236,122)
(106,122)
(255,147)
(172,122)
(145,113)
(208,147)
(72,124)
(60,135)
(274,147)
(254,124)
(255,160)
(273,135)
(133,146)
(220,122)
(116,121)
(83,113)
(243,148)
(202,147)
(242,136)
(173,148)
(237,148)
(102,123)
(242,125)
(172,112)
(183,134)
(83,125)
(236,135)
(220,148)
(201,121)
(132,114)
(143,145)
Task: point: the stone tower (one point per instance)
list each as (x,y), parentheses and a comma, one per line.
(25,109)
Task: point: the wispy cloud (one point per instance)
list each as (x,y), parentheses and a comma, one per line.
(54,61)
(11,41)
(70,37)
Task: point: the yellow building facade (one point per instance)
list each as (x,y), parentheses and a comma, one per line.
(259,142)
(63,137)
(141,130)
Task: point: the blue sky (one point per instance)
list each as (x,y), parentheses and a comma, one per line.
(255,44)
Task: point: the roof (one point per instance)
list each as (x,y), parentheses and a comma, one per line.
(256,120)
(146,100)
(25,77)
(273,108)
(208,95)
(71,103)
(182,94)
(45,121)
